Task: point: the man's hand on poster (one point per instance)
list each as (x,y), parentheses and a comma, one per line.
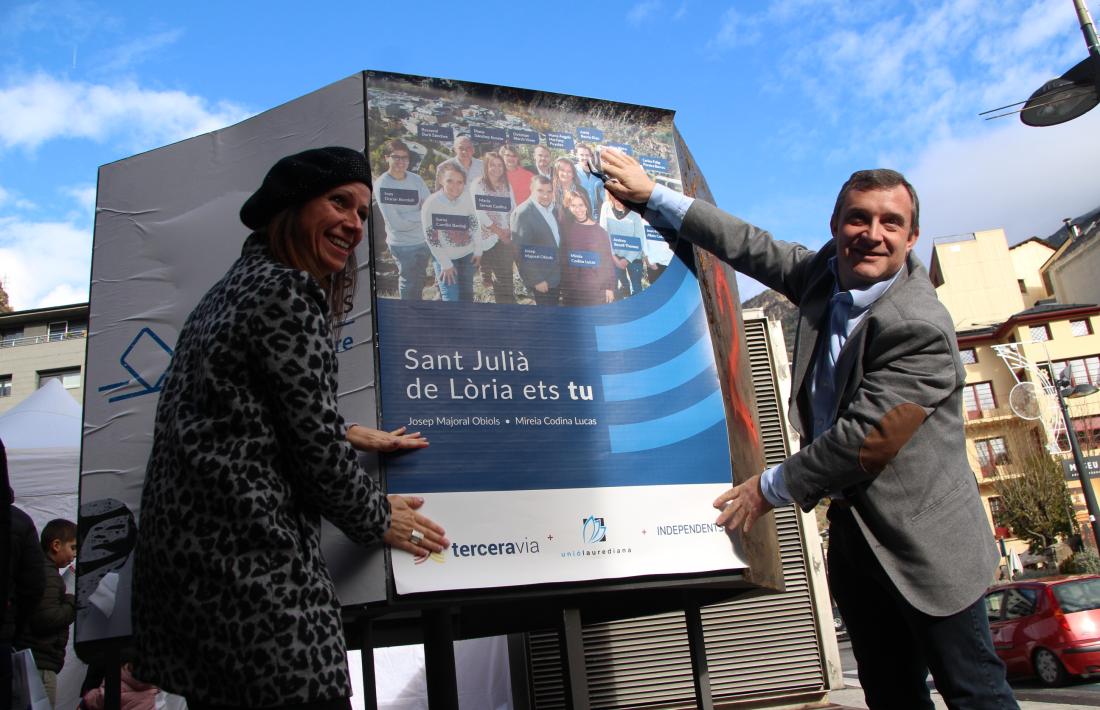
(410,531)
(608,296)
(741,506)
(620,262)
(448,275)
(367,439)
(626,179)
(542,287)
(477,260)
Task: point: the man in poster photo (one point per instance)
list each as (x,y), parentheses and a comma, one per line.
(464,158)
(592,184)
(537,240)
(542,161)
(877,384)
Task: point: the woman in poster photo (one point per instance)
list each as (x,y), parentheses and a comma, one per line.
(453,233)
(494,202)
(233,605)
(587,272)
(627,233)
(565,182)
(400,194)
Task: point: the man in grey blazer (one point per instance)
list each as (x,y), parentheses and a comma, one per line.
(537,243)
(877,385)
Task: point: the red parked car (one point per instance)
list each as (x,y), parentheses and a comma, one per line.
(1047,627)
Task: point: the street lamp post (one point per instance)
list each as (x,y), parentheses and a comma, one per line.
(1062,387)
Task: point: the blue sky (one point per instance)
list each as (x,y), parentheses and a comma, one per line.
(778,101)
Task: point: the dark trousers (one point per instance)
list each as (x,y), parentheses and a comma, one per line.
(896,645)
(550,298)
(496,268)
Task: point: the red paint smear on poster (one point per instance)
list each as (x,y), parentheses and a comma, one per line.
(725,306)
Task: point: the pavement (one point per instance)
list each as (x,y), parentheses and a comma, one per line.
(852,697)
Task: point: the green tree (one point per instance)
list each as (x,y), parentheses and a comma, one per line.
(5,307)
(1037,505)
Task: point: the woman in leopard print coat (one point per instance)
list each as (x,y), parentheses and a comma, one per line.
(233,604)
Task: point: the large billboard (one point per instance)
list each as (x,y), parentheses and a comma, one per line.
(571,440)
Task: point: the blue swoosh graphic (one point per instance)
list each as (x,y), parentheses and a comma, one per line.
(653,326)
(678,426)
(660,378)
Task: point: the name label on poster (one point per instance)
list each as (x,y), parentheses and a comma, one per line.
(396,196)
(435,133)
(450,221)
(653,163)
(584,259)
(483,134)
(621,242)
(493,203)
(620,146)
(589,134)
(536,253)
(652,234)
(520,136)
(562,141)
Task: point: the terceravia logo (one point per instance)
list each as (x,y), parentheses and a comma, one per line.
(593,530)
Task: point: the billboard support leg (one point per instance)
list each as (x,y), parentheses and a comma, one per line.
(112,679)
(697,647)
(575,677)
(366,646)
(439,658)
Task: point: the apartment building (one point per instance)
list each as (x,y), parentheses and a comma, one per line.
(997,295)
(39,345)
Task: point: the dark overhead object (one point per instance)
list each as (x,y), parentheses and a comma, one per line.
(1063,99)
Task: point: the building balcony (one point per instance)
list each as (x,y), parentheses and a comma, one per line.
(978,417)
(37,339)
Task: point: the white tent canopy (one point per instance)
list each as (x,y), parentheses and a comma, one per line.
(42,438)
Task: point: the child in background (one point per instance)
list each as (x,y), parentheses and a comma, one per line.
(47,632)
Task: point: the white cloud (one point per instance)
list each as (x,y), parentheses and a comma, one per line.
(40,108)
(1012,176)
(42,262)
(127,55)
(11,199)
(642,11)
(84,196)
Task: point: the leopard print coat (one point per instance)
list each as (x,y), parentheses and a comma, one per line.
(233,604)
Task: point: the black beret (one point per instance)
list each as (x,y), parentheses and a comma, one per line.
(301,177)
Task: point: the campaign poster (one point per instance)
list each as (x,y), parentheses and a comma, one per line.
(550,344)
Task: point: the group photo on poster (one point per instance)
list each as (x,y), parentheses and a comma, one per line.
(495,200)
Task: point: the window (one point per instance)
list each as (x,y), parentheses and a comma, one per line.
(9,336)
(994,604)
(996,509)
(1082,370)
(5,385)
(1019,602)
(969,357)
(70,377)
(1080,327)
(978,398)
(991,452)
(57,329)
(1039,333)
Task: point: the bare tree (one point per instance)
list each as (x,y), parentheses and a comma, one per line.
(1037,505)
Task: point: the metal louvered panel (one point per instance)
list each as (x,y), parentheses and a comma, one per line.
(765,648)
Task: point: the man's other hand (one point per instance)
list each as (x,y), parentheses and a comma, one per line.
(626,178)
(741,506)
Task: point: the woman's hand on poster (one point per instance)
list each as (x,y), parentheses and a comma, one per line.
(620,262)
(542,287)
(608,296)
(448,275)
(410,531)
(742,506)
(626,178)
(367,439)
(477,259)
(505,234)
